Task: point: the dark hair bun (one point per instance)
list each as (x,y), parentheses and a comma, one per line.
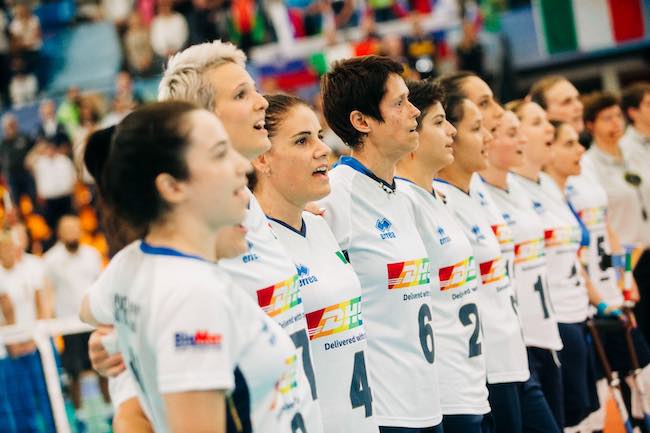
(96,154)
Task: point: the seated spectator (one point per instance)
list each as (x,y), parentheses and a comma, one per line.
(23,86)
(90,117)
(202,20)
(14,148)
(137,47)
(55,178)
(169,30)
(25,31)
(421,50)
(470,50)
(4,62)
(72,268)
(50,128)
(117,11)
(125,92)
(68,112)
(392,46)
(346,13)
(308,15)
(370,42)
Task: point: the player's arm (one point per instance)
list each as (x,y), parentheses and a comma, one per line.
(7,308)
(130,418)
(208,409)
(596,299)
(617,248)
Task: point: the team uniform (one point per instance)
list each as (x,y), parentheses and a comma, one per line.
(539,325)
(184,326)
(331,295)
(267,274)
(25,381)
(373,223)
(589,200)
(562,240)
(461,365)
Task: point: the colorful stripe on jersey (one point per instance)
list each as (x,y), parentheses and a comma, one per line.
(334,319)
(457,275)
(493,270)
(408,274)
(288,382)
(593,216)
(529,250)
(280,297)
(561,236)
(502,233)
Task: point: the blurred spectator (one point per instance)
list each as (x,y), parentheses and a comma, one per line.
(13,150)
(308,15)
(383,10)
(169,30)
(392,46)
(90,116)
(346,13)
(50,128)
(125,92)
(421,49)
(202,21)
(636,107)
(470,50)
(137,47)
(118,12)
(4,61)
(247,24)
(370,39)
(25,31)
(68,112)
(23,86)
(72,268)
(55,178)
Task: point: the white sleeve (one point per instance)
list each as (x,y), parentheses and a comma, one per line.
(195,338)
(337,212)
(122,388)
(100,296)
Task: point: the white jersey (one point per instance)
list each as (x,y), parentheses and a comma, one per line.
(374,224)
(561,242)
(331,295)
(21,284)
(461,363)
(183,326)
(589,199)
(530,274)
(269,276)
(505,351)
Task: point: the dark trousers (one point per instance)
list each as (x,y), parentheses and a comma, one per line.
(21,183)
(434,429)
(55,208)
(545,370)
(642,309)
(519,407)
(468,423)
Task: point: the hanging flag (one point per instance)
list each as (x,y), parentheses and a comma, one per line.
(627,19)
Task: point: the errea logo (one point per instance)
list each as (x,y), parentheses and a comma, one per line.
(538,207)
(304,277)
(250,256)
(383,225)
(442,235)
(476,230)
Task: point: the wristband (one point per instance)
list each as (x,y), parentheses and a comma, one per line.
(618,261)
(601,308)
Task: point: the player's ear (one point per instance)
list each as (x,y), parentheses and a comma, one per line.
(359,121)
(262,165)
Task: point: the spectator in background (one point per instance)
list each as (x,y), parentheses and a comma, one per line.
(55,178)
(25,380)
(125,92)
(68,112)
(72,268)
(50,129)
(392,46)
(202,21)
(24,85)
(470,50)
(4,61)
(636,107)
(137,47)
(117,11)
(169,30)
(90,117)
(14,148)
(26,39)
(421,49)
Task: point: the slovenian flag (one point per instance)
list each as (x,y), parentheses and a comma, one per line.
(585,25)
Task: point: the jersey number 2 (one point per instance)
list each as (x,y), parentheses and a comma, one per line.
(464,314)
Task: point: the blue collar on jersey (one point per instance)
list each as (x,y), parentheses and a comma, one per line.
(584,231)
(354,163)
(437,179)
(433,191)
(166,251)
(491,184)
(538,181)
(303,228)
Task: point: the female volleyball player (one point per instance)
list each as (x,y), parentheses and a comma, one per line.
(459,355)
(529,271)
(183,326)
(288,176)
(366,103)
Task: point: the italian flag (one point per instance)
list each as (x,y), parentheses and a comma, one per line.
(585,25)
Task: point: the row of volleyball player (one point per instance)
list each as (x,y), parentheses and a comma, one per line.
(438,278)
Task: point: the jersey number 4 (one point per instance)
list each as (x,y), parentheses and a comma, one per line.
(360,394)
